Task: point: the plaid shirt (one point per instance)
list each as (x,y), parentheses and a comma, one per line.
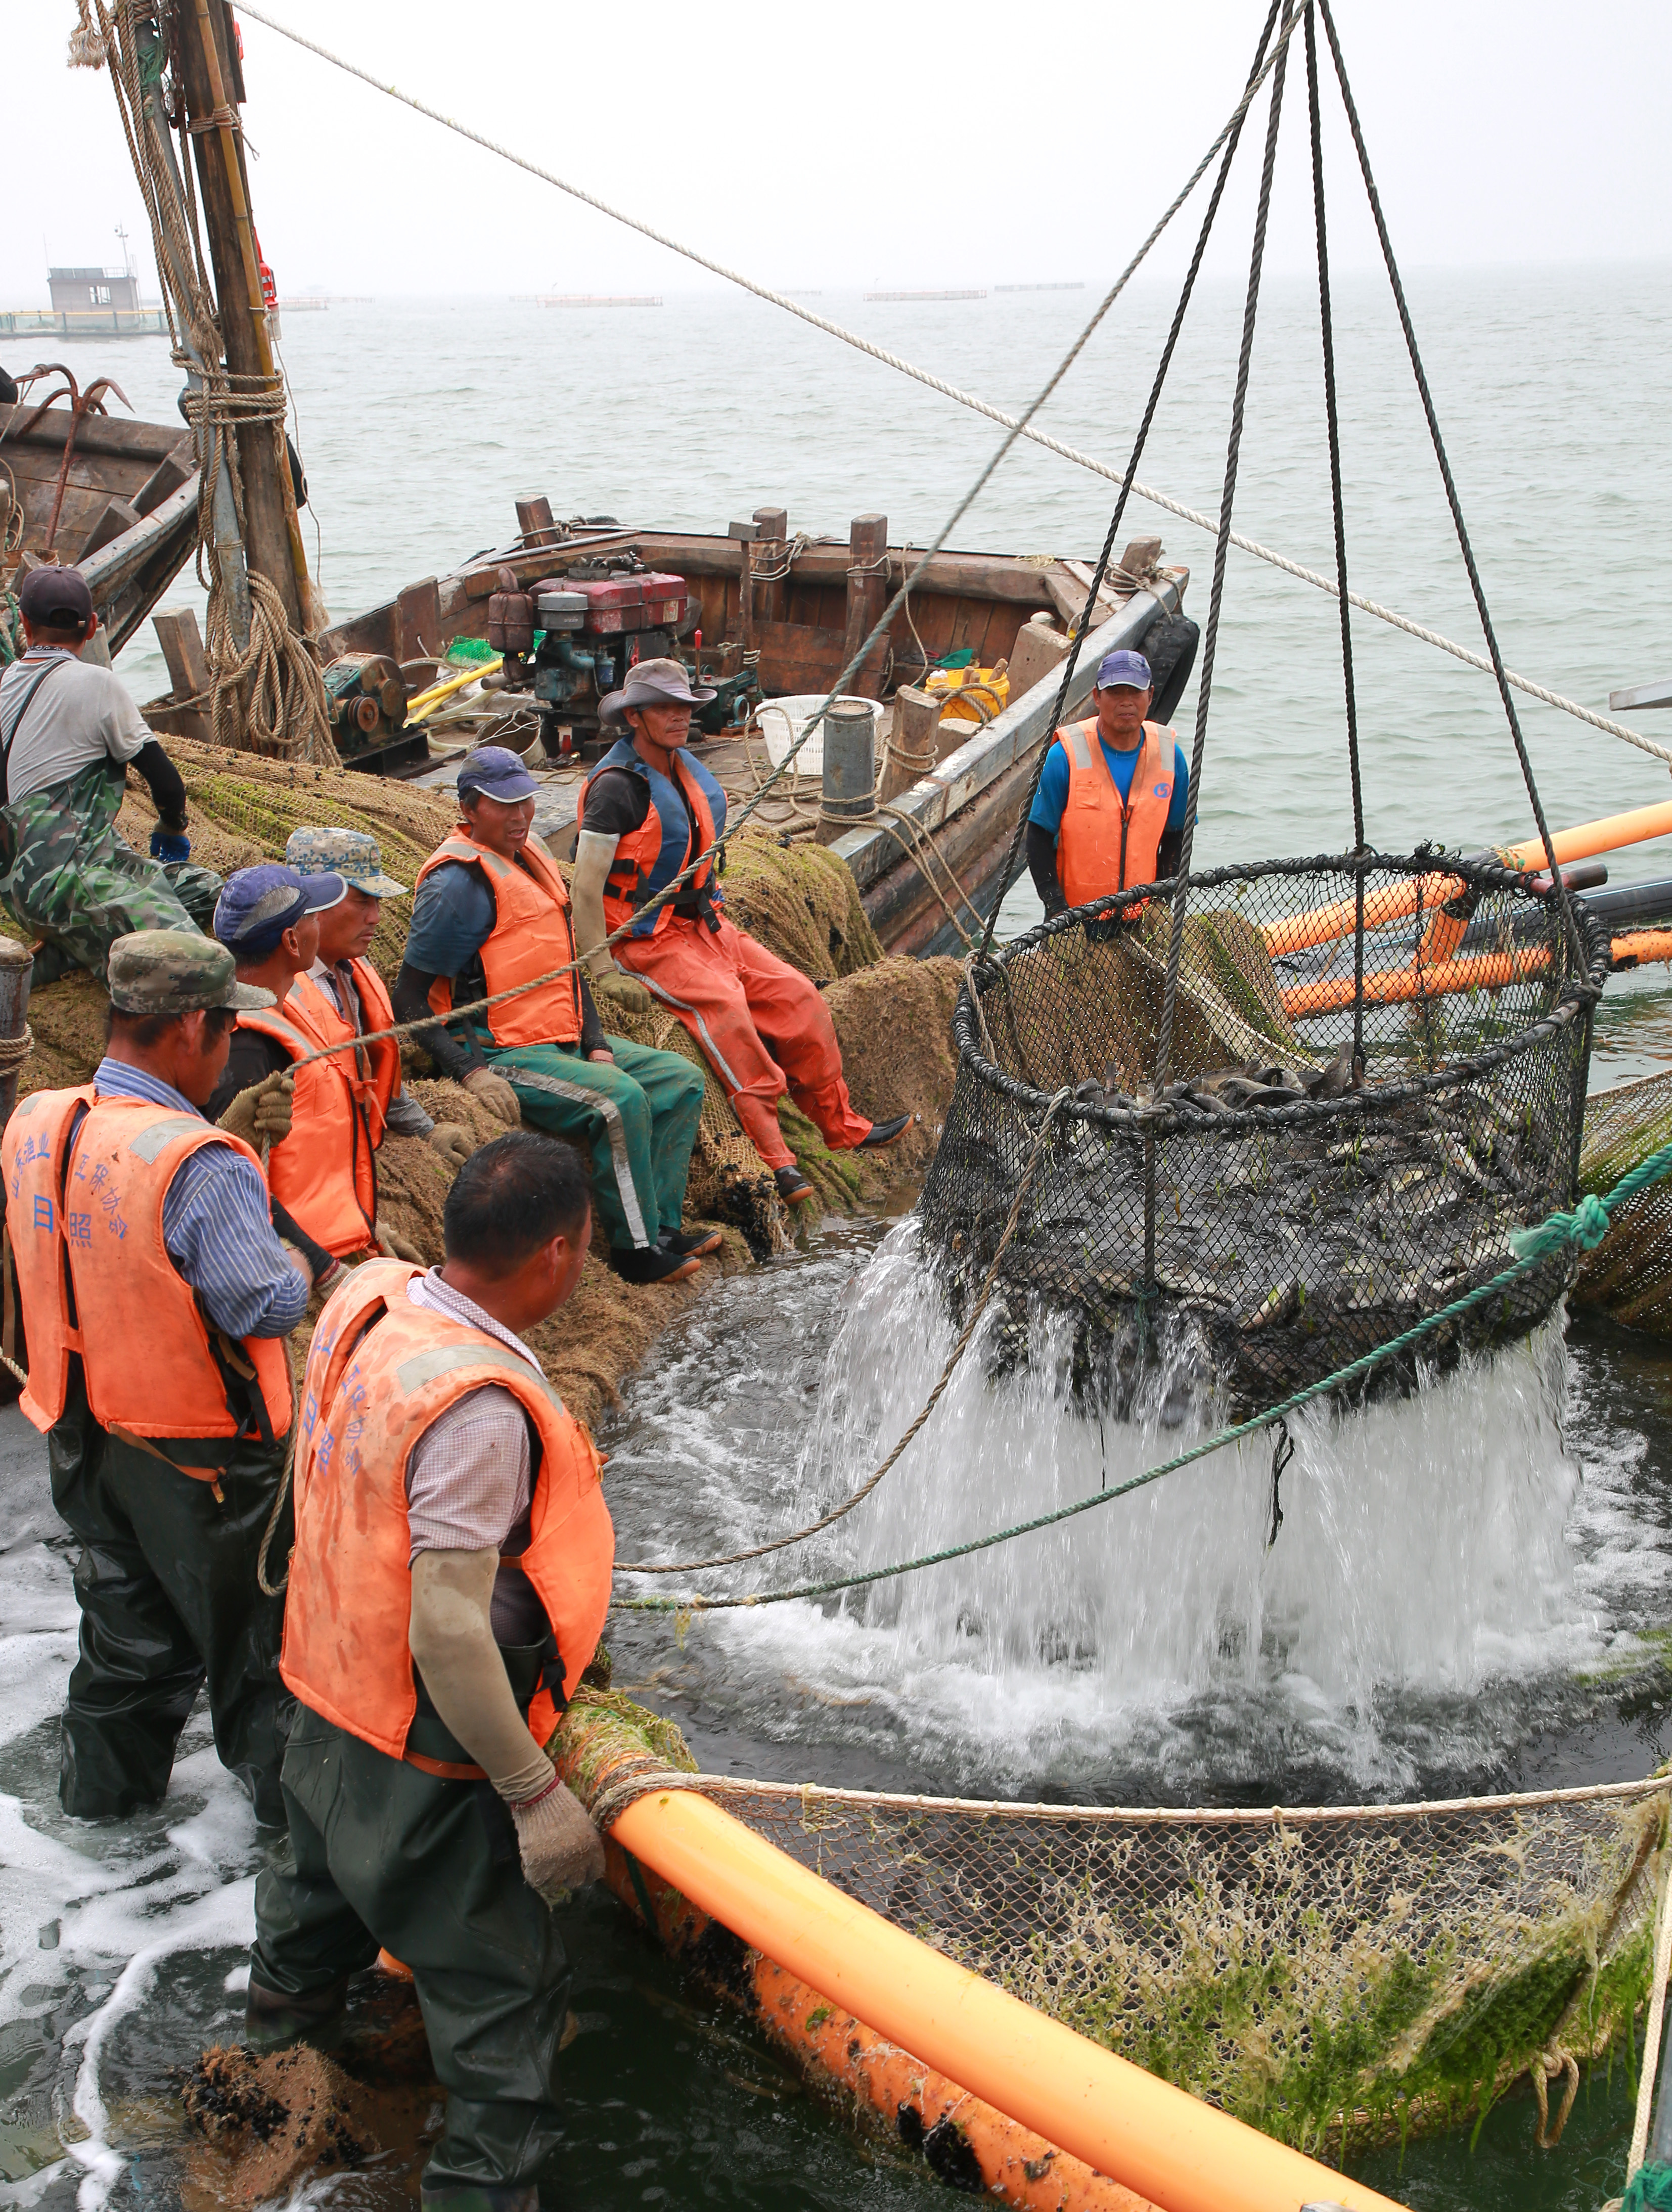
(217,1225)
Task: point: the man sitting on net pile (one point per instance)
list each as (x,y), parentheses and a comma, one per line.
(492,915)
(647,811)
(69,730)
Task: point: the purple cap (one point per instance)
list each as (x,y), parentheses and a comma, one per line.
(499,772)
(257,905)
(56,599)
(1129,668)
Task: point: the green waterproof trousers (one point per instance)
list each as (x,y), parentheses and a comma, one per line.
(381,1853)
(636,1120)
(166,1585)
(73,880)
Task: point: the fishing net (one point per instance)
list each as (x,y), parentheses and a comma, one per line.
(1284,1195)
(1327,1976)
(1630,1275)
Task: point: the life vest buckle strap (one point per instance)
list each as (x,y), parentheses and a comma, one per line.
(445,1770)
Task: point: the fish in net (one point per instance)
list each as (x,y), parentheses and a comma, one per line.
(1306,1178)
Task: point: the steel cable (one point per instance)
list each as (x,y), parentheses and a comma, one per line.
(972,400)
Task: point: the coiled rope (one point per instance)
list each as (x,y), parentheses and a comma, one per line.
(969,399)
(1576,1230)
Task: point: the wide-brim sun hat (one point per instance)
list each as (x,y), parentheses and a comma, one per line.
(653,684)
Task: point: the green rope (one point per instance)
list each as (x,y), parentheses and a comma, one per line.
(1579,1228)
(1649,2190)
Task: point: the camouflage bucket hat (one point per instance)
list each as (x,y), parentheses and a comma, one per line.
(175,971)
(351,853)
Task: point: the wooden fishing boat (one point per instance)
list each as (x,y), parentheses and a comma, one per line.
(762,615)
(118,498)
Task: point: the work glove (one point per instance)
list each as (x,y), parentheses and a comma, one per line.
(454,1143)
(169,845)
(398,1247)
(261,1115)
(560,1849)
(622,990)
(496,1095)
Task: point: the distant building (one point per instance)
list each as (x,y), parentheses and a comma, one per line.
(84,291)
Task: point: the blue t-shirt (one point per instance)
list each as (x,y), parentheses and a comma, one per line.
(453,918)
(1052,795)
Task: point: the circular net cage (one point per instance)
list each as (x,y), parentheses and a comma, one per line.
(1339,1145)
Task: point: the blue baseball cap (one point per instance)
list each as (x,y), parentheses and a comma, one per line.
(1130,668)
(257,905)
(497,771)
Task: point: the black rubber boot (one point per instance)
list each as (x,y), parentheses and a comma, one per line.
(651,1263)
(696,1244)
(271,2018)
(885,1132)
(793,1188)
(480,2196)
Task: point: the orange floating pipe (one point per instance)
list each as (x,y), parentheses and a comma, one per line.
(1634,946)
(1392,901)
(1487,971)
(1181,2154)
(978,2144)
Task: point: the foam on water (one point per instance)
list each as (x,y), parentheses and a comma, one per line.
(1434,1550)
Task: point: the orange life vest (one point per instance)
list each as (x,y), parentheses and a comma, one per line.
(649,859)
(374,1069)
(1106,842)
(86,1179)
(323,1173)
(532,934)
(381,1371)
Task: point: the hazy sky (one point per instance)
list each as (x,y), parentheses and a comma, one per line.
(918,145)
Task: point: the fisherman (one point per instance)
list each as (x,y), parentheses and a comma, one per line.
(647,809)
(156,1298)
(1109,808)
(301,930)
(69,730)
(450,1581)
(492,912)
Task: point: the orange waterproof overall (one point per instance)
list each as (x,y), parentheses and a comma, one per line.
(762,1026)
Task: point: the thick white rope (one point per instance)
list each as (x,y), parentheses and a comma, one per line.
(1651,2032)
(1115,475)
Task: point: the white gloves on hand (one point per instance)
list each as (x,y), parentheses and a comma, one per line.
(496,1095)
(453,1142)
(561,1849)
(262,1113)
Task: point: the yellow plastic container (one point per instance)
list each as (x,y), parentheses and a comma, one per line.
(988,689)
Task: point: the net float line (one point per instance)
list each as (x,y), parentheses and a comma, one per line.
(1157,2141)
(1393,901)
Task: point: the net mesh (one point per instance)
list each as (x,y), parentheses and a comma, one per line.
(1346,1972)
(1630,1275)
(1271,1205)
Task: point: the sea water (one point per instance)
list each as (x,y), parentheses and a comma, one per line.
(1465,1587)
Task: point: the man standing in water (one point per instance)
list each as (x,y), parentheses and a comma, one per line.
(67,731)
(450,1581)
(156,1299)
(1110,809)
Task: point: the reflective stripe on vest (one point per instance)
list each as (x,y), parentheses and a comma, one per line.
(648,859)
(323,1172)
(1105,842)
(380,1371)
(147,1352)
(532,935)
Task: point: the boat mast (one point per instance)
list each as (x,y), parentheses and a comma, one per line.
(212,77)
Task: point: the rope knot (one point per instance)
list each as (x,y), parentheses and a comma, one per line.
(1586,1226)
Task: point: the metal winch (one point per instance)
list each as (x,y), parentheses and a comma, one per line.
(570,640)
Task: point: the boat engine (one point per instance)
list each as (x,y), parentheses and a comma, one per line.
(571,638)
